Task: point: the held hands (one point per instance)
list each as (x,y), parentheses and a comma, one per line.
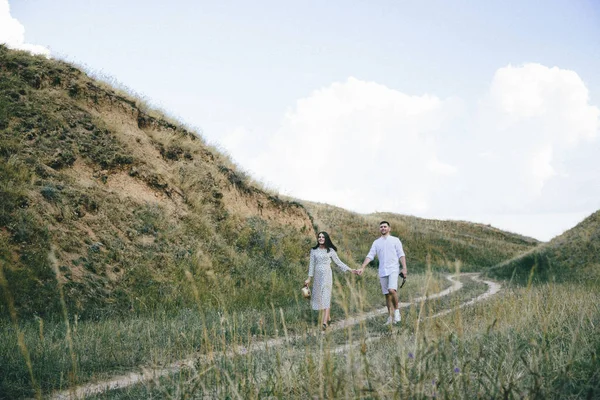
(360,271)
(307,282)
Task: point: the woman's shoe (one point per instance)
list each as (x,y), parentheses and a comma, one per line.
(324,327)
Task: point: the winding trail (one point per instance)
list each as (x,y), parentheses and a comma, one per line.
(493,288)
(149,374)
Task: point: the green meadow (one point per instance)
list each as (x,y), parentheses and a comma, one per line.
(128,245)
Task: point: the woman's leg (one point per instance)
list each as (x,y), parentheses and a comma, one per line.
(326,316)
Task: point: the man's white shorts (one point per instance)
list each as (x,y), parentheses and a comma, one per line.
(389,282)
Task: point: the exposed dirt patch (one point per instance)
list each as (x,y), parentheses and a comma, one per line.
(258,204)
(113,273)
(81,173)
(122,184)
(146,240)
(86,228)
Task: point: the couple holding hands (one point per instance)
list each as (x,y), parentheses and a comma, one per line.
(388,249)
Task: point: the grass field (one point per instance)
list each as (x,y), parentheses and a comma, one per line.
(126,241)
(100,349)
(572,256)
(537,342)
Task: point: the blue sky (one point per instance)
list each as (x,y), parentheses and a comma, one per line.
(483,111)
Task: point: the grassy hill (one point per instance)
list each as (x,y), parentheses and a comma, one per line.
(125,209)
(127,241)
(572,256)
(444,245)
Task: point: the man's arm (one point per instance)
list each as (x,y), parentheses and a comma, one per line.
(403,262)
(370,256)
(401,256)
(363,266)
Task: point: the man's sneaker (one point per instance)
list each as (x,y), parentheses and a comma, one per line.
(388,322)
(397,317)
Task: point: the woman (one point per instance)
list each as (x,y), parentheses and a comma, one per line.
(320,267)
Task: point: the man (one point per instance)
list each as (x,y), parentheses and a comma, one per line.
(388,250)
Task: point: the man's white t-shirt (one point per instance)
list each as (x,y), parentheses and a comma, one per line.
(389,250)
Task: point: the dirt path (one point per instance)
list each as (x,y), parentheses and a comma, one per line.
(493,288)
(149,374)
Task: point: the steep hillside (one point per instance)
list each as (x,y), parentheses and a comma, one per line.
(131,208)
(574,255)
(443,244)
(119,210)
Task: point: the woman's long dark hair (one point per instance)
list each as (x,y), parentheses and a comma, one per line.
(328,243)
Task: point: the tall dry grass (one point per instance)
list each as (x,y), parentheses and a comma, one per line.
(537,342)
(66,352)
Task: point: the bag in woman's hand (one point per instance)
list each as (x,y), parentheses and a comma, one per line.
(305,292)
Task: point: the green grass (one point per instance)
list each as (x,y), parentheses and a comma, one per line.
(572,256)
(109,347)
(540,342)
(126,240)
(446,245)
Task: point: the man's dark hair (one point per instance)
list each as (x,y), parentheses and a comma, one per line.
(385,222)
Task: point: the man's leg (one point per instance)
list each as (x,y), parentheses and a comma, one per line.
(394,296)
(388,299)
(393,290)
(390,304)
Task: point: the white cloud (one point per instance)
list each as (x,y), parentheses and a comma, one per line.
(366,147)
(359,145)
(556,98)
(531,121)
(442,168)
(541,167)
(12,32)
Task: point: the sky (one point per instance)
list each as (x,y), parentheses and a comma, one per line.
(480,111)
